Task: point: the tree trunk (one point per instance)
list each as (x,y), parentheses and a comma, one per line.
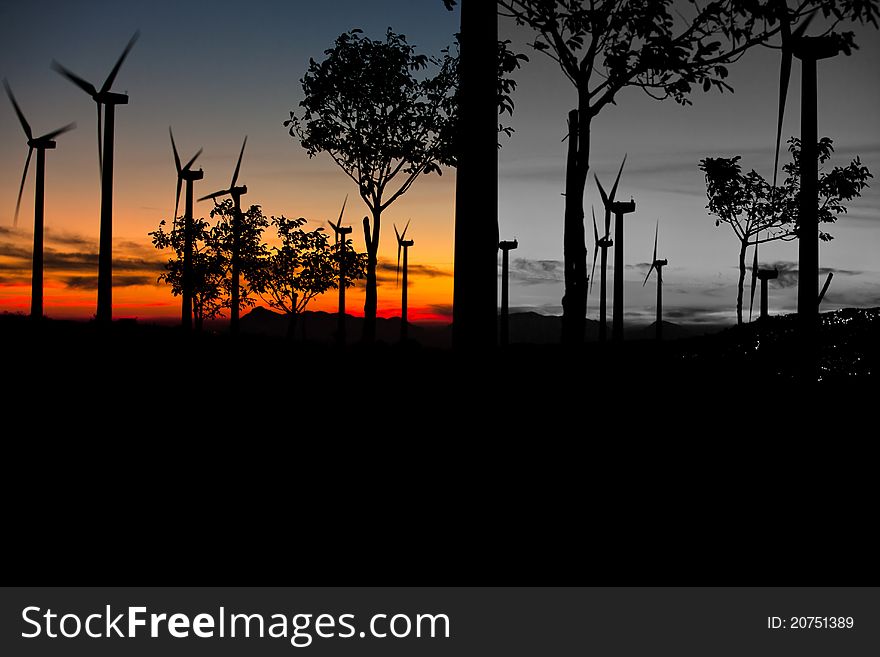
(371,237)
(475,294)
(291,325)
(574,303)
(742,277)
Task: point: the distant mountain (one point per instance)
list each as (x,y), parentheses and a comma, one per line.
(533,328)
(525,328)
(671,331)
(320,326)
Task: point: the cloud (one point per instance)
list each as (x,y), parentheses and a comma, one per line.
(426,271)
(444,309)
(91,282)
(544,309)
(788,273)
(128,255)
(537,272)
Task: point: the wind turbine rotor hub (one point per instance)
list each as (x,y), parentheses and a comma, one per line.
(620,207)
(110,98)
(821,47)
(191,175)
(42,144)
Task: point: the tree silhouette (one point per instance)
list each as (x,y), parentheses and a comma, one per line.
(305,265)
(757,214)
(250,244)
(604,46)
(208,267)
(373,108)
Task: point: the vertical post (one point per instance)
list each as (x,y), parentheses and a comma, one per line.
(236,237)
(105,247)
(603,297)
(808,242)
(659,325)
(764,293)
(340,254)
(186,318)
(37,272)
(505,308)
(574,303)
(617,319)
(475,293)
(403,315)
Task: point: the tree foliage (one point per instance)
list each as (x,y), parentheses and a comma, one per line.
(749,205)
(757,213)
(251,249)
(664,47)
(208,266)
(371,106)
(303,266)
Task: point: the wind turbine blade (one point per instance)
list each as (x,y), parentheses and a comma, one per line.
(825,287)
(396,233)
(110,78)
(398,259)
(784,76)
(799,32)
(656,232)
(405,228)
(174,149)
(60,131)
(88,87)
(27,163)
(595,248)
(177,198)
(602,192)
(754,276)
(100,143)
(341,212)
(24,124)
(617,180)
(192,160)
(222,192)
(238,165)
(649,275)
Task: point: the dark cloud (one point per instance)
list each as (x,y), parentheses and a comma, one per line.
(788,273)
(537,272)
(543,309)
(414,270)
(444,309)
(67,239)
(91,282)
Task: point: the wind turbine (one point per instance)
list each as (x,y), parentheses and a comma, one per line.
(809,50)
(605,243)
(658,265)
(341,233)
(505,247)
(236,193)
(765,275)
(403,244)
(187,175)
(106,101)
(41,145)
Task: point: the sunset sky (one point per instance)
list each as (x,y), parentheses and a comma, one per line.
(217,70)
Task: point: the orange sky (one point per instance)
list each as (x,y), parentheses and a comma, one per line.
(71,249)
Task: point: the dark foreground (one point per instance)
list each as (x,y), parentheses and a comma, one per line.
(156,378)
(136,451)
